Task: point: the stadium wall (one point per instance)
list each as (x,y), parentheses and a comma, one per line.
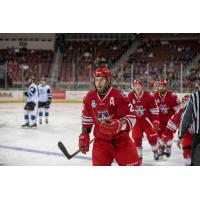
(44,45)
(9,96)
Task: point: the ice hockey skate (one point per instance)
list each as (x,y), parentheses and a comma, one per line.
(33,125)
(25,125)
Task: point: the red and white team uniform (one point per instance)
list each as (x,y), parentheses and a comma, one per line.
(168,105)
(172,126)
(108,147)
(147,116)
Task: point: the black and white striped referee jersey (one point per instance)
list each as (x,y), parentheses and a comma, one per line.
(191,114)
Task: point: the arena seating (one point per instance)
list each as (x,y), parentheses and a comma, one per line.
(157,56)
(84,56)
(153,60)
(23,63)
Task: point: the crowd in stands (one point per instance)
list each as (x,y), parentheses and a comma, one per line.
(23,63)
(84,56)
(153,60)
(156,60)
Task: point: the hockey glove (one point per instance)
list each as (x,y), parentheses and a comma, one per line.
(155,126)
(110,126)
(84,140)
(26,93)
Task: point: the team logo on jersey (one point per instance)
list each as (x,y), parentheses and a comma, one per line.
(139,111)
(164,109)
(103,115)
(93,104)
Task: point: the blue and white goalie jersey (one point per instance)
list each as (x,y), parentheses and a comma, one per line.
(32,93)
(45,93)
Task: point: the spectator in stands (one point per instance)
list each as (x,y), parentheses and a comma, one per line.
(151,55)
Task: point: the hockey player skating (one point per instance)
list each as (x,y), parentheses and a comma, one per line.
(168,104)
(147,118)
(44,100)
(170,130)
(31,96)
(107,110)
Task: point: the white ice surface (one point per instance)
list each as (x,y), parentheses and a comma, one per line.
(32,147)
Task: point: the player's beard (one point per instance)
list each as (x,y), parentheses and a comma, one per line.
(163,91)
(103,90)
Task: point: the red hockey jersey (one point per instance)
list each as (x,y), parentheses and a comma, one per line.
(112,106)
(168,105)
(144,106)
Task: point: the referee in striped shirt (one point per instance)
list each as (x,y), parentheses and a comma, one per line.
(192,115)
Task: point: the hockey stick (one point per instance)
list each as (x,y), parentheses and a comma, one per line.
(66,153)
(149,121)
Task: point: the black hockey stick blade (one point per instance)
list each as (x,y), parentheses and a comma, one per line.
(66,153)
(64,150)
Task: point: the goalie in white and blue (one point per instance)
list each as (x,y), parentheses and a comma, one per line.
(45,97)
(31,95)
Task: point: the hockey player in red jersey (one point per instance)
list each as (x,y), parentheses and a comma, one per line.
(168,104)
(170,130)
(147,118)
(107,110)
